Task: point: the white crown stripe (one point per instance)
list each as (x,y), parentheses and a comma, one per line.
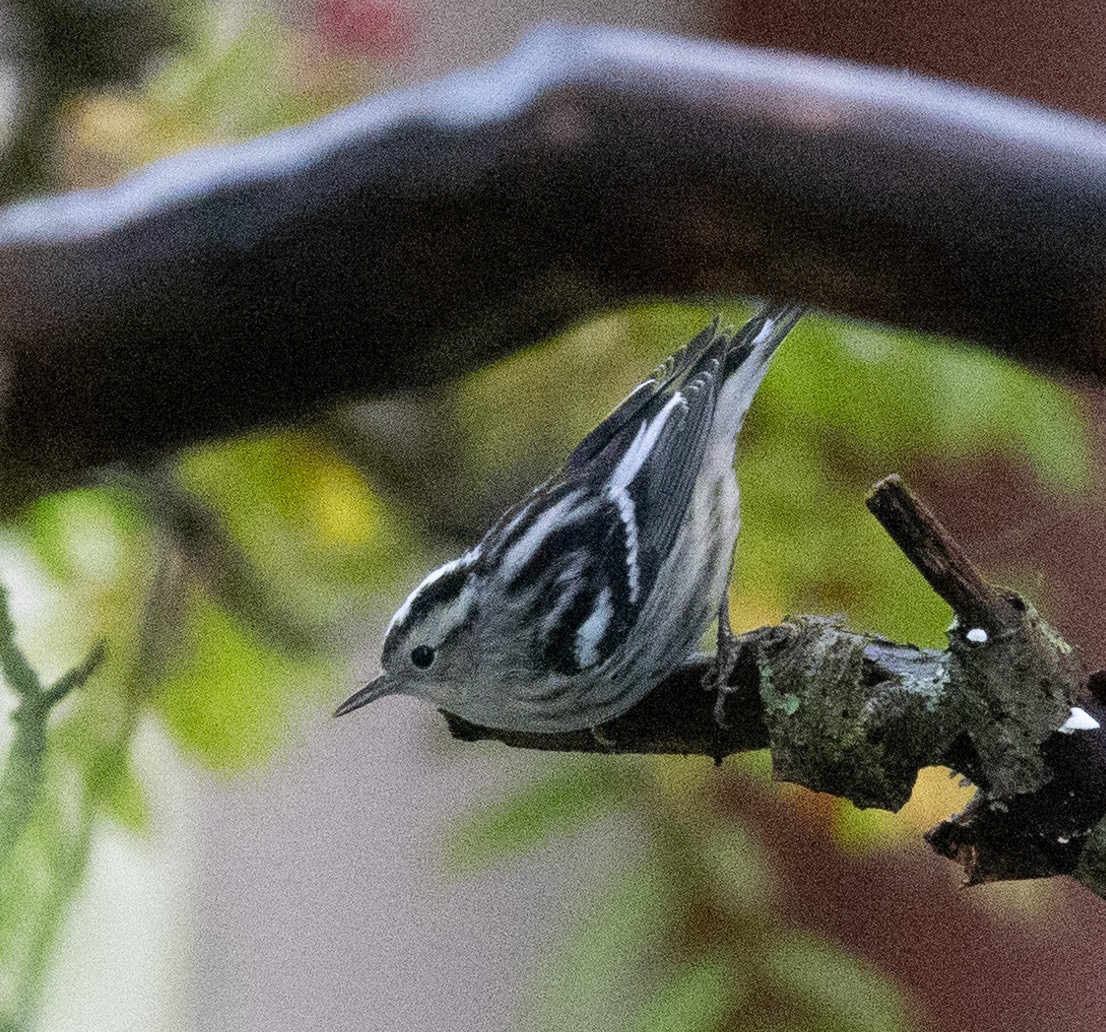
(431,578)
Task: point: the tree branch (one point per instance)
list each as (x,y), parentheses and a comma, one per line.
(858,716)
(419,235)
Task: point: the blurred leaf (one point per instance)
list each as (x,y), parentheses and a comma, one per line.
(884,394)
(756,764)
(218,562)
(1038,902)
(937,793)
(327,546)
(843,994)
(127,802)
(230,701)
(240,77)
(737,869)
(83,534)
(594,978)
(554,805)
(821,551)
(858,830)
(680,778)
(695,998)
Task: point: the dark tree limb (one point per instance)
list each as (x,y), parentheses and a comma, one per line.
(419,235)
(858,716)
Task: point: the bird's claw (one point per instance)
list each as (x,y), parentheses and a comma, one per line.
(727,656)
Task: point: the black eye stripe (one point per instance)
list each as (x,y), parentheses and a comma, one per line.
(444,590)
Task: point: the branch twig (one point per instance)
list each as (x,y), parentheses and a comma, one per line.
(940,559)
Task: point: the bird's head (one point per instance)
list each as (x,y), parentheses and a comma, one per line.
(429,642)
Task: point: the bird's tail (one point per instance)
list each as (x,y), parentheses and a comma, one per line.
(747,361)
(755,343)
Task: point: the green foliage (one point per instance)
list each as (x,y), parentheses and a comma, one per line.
(125,799)
(240,76)
(224,643)
(229,701)
(844,406)
(687,937)
(879,396)
(593,980)
(306,520)
(694,998)
(841,993)
(81,536)
(145,566)
(856,829)
(552,806)
(733,866)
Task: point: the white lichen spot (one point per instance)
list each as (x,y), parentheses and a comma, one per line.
(1080,720)
(977,636)
(1063,839)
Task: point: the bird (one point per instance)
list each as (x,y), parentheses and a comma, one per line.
(588,592)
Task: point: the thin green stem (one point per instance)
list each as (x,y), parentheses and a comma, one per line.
(69,840)
(21,780)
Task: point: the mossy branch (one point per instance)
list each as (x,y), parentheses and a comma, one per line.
(858,715)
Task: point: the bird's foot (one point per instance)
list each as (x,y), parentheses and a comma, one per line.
(727,656)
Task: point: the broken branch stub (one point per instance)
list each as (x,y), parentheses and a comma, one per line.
(1012,677)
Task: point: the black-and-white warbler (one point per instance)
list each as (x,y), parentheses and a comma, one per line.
(586,594)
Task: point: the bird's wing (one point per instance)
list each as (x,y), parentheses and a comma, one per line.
(598,570)
(633,405)
(649,468)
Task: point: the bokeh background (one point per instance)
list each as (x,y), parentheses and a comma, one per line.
(212,852)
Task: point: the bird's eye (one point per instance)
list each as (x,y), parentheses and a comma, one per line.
(422,656)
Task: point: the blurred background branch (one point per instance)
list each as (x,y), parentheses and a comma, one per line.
(51,51)
(20,782)
(424,233)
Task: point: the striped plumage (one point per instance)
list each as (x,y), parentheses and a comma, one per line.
(583,596)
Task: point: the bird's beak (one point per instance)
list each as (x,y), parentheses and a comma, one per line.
(376,688)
